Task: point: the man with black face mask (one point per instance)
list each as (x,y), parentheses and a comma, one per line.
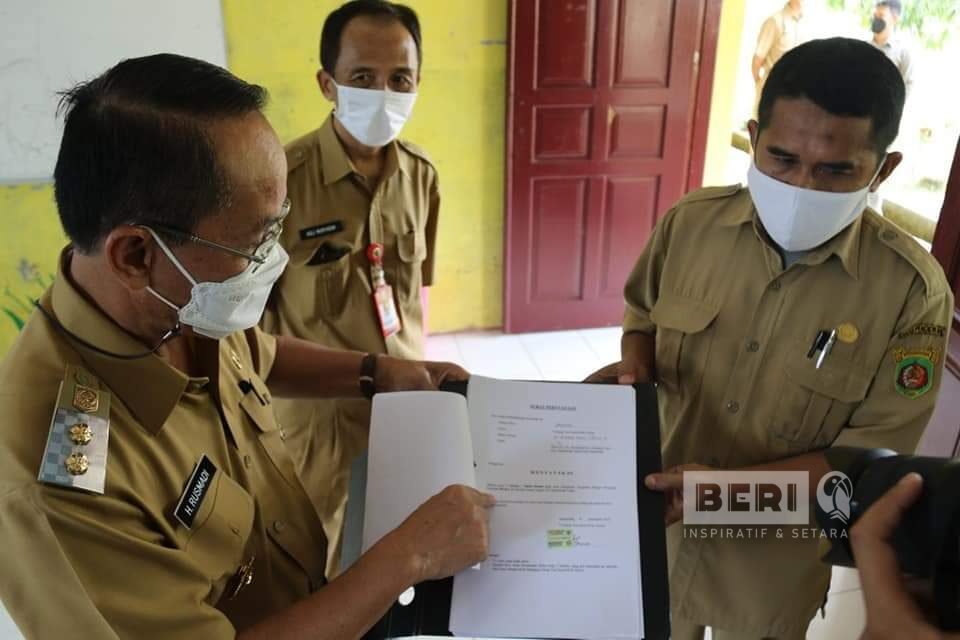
(886,16)
(781,319)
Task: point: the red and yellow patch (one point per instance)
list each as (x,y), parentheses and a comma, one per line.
(915,371)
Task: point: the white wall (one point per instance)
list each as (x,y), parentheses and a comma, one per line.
(49,45)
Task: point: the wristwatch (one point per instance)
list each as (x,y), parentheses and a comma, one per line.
(368,373)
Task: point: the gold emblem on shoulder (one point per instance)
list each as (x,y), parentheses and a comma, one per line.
(81,434)
(76,464)
(86,399)
(236,360)
(848,333)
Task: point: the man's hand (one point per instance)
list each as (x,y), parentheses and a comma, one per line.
(446,533)
(394,374)
(637,358)
(891,612)
(670,482)
(636,362)
(609,374)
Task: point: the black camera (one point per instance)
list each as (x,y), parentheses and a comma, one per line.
(927,539)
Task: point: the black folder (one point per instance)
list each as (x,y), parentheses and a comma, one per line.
(429,613)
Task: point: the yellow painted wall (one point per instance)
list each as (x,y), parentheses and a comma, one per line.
(459,119)
(724,86)
(30,240)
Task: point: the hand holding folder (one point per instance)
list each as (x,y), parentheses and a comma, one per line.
(573,528)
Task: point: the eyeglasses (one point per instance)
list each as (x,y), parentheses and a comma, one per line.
(259,255)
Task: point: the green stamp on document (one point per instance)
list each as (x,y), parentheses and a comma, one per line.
(560,538)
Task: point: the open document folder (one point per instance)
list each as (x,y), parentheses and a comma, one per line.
(577,545)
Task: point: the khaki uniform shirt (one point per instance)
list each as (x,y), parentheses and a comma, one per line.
(779,33)
(82,565)
(899,54)
(736,388)
(329,301)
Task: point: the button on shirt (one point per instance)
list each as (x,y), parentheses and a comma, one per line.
(733,329)
(77,564)
(325,293)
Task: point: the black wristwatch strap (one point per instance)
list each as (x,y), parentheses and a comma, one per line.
(368,373)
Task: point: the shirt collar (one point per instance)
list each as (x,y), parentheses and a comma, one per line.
(148,386)
(845,245)
(336,164)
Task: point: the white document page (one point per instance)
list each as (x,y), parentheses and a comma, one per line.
(564,540)
(419,444)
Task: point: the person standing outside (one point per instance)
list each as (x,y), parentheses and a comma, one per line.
(886,17)
(781,32)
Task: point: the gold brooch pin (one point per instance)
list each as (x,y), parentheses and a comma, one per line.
(76,464)
(81,433)
(86,399)
(848,333)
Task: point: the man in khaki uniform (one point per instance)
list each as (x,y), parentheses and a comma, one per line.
(352,184)
(145,486)
(779,33)
(732,291)
(886,17)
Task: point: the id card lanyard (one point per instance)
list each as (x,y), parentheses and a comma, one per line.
(383,299)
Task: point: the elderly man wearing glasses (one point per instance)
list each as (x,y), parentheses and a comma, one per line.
(145,486)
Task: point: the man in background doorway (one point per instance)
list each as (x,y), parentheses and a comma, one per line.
(886,17)
(363,220)
(780,32)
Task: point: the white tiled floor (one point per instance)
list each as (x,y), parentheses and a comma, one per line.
(559,355)
(572,355)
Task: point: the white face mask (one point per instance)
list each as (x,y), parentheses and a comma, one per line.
(217,309)
(801,219)
(372,116)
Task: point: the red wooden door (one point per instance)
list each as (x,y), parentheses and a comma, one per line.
(942,437)
(604,134)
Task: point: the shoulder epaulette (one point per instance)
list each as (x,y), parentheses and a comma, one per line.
(710,193)
(76,453)
(416,151)
(298,150)
(910,250)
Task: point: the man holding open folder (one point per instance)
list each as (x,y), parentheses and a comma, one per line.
(782,319)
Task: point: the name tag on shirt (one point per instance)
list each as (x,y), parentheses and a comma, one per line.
(321,230)
(196,490)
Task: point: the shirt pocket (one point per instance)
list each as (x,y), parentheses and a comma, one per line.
(318,283)
(282,517)
(815,404)
(412,250)
(683,340)
(219,535)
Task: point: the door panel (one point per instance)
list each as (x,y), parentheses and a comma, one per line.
(565,44)
(942,437)
(558,207)
(600,127)
(642,48)
(624,225)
